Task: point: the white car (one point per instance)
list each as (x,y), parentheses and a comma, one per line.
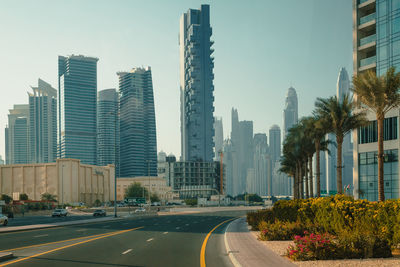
(3,219)
(140,210)
(59,213)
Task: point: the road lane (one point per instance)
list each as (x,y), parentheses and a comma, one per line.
(158,243)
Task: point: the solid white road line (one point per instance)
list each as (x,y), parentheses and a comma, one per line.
(41,235)
(127,251)
(151,239)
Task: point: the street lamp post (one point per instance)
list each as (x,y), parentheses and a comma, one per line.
(62,183)
(148,175)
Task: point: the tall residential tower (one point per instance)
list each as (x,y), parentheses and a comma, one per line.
(290,113)
(77,101)
(196,85)
(137,124)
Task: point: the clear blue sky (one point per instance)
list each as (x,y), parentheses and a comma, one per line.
(261,48)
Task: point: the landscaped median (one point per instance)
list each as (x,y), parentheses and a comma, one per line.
(329,228)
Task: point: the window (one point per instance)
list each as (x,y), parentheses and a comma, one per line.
(382,30)
(395,4)
(396,48)
(382,9)
(396,25)
(382,52)
(369,133)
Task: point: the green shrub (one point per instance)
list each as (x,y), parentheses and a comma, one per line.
(280,230)
(254,218)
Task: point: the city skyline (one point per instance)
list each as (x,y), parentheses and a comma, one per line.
(228,89)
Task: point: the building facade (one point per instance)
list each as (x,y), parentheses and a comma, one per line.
(16,135)
(290,113)
(77,108)
(138,151)
(67,179)
(42,128)
(218,137)
(197,179)
(376,47)
(108,128)
(196,85)
(275,143)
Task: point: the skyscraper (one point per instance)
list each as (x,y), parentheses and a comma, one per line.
(246,149)
(290,113)
(137,124)
(262,165)
(275,143)
(42,123)
(218,137)
(196,85)
(16,134)
(376,27)
(108,128)
(77,101)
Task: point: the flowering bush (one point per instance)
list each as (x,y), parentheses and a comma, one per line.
(313,247)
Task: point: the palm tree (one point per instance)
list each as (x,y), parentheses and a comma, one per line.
(342,120)
(380,94)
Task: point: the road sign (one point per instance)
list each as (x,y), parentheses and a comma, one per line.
(135,200)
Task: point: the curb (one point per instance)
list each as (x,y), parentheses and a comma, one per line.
(6,256)
(228,250)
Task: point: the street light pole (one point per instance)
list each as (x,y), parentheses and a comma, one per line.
(148,175)
(115,160)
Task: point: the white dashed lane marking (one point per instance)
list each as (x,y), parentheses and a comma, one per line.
(127,251)
(150,239)
(41,235)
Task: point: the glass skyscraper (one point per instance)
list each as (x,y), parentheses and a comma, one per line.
(196,85)
(77,101)
(376,43)
(42,123)
(290,113)
(16,135)
(137,124)
(108,128)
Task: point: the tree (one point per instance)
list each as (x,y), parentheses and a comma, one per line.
(48,197)
(97,203)
(154,198)
(191,202)
(379,94)
(136,190)
(23,196)
(6,198)
(342,119)
(254,198)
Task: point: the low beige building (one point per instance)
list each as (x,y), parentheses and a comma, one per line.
(78,182)
(157,185)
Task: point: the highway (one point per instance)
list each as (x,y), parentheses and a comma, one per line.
(170,240)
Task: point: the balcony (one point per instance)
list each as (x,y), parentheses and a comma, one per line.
(368,39)
(367,18)
(367,63)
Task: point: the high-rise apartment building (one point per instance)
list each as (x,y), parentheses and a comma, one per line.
(262,165)
(275,143)
(138,150)
(16,135)
(290,113)
(108,128)
(196,85)
(42,127)
(246,149)
(376,47)
(218,137)
(77,108)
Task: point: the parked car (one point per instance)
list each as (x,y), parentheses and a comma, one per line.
(121,205)
(3,219)
(59,213)
(140,210)
(99,213)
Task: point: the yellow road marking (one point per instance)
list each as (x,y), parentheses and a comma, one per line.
(203,247)
(71,245)
(55,242)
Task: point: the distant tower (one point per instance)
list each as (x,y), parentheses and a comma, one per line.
(16,134)
(138,124)
(275,143)
(196,84)
(42,123)
(108,128)
(218,137)
(77,106)
(290,113)
(343,84)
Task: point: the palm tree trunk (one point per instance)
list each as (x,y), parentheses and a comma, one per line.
(301,182)
(294,186)
(318,169)
(297,182)
(306,178)
(381,193)
(310,179)
(339,182)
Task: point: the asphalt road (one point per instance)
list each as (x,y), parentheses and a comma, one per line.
(177,240)
(29,220)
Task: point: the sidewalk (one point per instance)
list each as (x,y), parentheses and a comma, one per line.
(245,250)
